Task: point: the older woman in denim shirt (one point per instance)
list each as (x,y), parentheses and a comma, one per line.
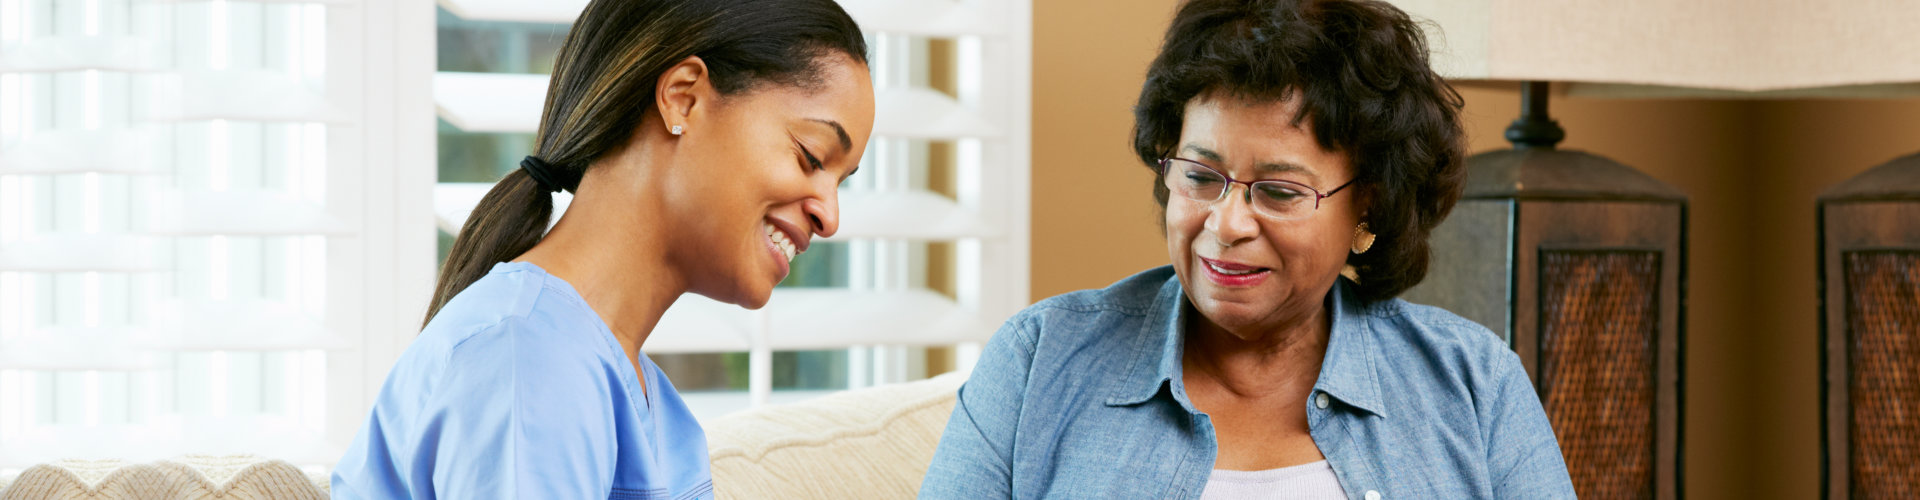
(1302,151)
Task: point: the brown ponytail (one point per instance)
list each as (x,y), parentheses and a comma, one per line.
(603,79)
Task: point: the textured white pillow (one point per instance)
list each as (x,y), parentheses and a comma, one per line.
(187,477)
(867,443)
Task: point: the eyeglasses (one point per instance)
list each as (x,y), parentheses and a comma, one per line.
(1274,199)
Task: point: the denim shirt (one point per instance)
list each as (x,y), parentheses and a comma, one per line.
(1080,396)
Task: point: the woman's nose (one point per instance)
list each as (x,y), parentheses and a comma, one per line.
(824,212)
(1232,218)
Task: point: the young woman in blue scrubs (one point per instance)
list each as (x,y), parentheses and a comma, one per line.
(703,141)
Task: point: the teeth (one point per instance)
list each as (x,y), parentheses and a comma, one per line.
(780,240)
(1217,269)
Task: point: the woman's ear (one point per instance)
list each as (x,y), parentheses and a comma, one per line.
(681,91)
(1363,201)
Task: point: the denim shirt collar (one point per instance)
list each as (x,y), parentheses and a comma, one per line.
(1346,373)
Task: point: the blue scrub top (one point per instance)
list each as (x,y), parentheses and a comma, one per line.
(516,389)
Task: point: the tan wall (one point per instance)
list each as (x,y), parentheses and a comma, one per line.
(1751,168)
(1093,211)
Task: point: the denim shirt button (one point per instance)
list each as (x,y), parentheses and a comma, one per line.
(1373,495)
(1321,401)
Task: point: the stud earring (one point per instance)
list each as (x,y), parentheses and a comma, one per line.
(1362,239)
(675,130)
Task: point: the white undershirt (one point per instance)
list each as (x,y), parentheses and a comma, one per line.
(1312,481)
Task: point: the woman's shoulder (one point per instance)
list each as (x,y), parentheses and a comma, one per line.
(1465,348)
(1135,296)
(1078,348)
(514,297)
(1432,324)
(1095,320)
(507,293)
(508,319)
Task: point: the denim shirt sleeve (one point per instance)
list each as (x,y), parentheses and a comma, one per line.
(1523,458)
(975,457)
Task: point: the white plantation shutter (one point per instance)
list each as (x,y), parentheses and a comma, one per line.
(204,247)
(892,214)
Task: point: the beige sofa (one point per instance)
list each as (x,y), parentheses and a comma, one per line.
(871,443)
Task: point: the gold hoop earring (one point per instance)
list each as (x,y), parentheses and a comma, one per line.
(1362,239)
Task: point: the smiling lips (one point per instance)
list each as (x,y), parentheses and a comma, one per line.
(782,247)
(781,241)
(1233,274)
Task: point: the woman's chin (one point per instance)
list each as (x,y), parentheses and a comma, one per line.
(754,299)
(1230,314)
(753,305)
(750,295)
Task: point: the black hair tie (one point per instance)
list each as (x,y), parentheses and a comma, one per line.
(545,174)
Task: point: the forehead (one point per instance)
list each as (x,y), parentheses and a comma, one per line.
(842,92)
(1244,133)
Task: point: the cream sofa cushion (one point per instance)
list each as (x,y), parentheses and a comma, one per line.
(869,443)
(191,477)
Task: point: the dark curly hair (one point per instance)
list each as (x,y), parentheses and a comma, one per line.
(1360,69)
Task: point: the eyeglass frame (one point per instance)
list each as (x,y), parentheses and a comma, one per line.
(1164,163)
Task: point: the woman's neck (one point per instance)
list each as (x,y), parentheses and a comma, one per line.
(616,259)
(1260,362)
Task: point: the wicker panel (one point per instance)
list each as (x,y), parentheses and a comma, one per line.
(1598,320)
(1883,379)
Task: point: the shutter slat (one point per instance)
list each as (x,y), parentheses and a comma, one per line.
(72,348)
(73,253)
(290,2)
(242,213)
(490,102)
(808,319)
(917,113)
(60,152)
(907,215)
(240,95)
(930,18)
(544,11)
(260,325)
(79,53)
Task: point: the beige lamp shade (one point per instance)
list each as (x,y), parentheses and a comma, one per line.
(1762,48)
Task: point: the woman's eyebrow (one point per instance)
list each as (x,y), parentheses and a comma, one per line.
(846,141)
(1203,153)
(1265,168)
(1284,167)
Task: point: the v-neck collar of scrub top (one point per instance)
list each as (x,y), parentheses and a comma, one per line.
(635,370)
